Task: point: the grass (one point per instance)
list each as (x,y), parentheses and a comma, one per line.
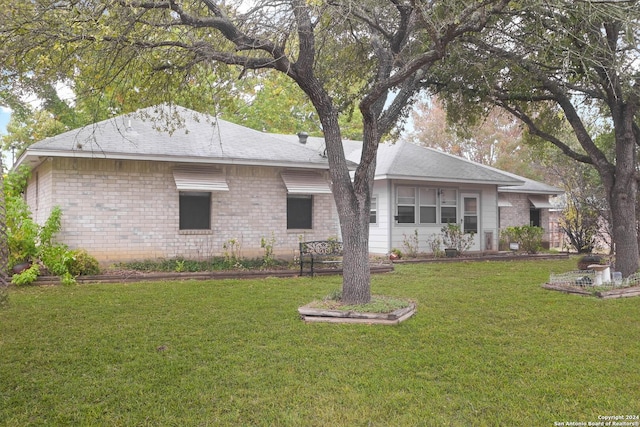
(487,347)
(378,304)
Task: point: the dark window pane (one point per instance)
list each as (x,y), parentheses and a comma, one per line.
(427,214)
(195,211)
(406,214)
(471,224)
(448,215)
(299,212)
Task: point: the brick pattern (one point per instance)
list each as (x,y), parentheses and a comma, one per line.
(518,214)
(128,210)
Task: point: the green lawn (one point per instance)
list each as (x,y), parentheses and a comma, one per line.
(488,346)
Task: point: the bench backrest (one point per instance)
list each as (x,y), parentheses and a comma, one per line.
(321,247)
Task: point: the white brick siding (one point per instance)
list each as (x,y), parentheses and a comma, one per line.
(128,210)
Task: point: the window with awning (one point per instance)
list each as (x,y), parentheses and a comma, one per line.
(305,182)
(540,202)
(503,202)
(197,178)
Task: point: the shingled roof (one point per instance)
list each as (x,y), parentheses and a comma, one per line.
(404,160)
(177,134)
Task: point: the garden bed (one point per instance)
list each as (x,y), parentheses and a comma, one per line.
(311,313)
(603,294)
(582,282)
(121,276)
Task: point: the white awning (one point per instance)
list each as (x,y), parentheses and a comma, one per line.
(503,202)
(199,178)
(305,182)
(540,202)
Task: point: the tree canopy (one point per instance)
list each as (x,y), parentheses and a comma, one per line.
(373,54)
(555,63)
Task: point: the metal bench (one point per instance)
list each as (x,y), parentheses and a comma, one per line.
(320,252)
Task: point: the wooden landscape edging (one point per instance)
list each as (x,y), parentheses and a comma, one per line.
(486,257)
(135,276)
(610,294)
(310,314)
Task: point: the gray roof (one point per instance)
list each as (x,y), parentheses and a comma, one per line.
(177,134)
(404,160)
(530,187)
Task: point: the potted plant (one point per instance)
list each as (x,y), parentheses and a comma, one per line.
(395,254)
(455,241)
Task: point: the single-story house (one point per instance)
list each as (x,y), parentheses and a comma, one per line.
(133,187)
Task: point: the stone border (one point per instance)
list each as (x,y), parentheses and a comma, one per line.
(310,314)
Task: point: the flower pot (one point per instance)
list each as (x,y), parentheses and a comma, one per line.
(19,268)
(451,252)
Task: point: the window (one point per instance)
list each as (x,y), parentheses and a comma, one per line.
(448,206)
(299,212)
(428,205)
(434,205)
(195,210)
(406,205)
(373,212)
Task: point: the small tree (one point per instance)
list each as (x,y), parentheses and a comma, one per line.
(580,223)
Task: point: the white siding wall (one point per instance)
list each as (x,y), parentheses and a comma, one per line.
(128,210)
(488,221)
(379,232)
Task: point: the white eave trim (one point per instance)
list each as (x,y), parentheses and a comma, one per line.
(305,182)
(540,202)
(446,180)
(199,178)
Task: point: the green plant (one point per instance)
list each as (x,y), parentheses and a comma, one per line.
(528,237)
(26,277)
(454,238)
(267,245)
(83,264)
(232,251)
(434,242)
(179,266)
(397,252)
(411,244)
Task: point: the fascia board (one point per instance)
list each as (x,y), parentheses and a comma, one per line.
(162,158)
(446,180)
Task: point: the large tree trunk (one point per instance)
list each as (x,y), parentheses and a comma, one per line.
(352,203)
(622,185)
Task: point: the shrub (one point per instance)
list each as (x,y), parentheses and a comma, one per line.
(588,260)
(434,242)
(83,264)
(528,237)
(454,238)
(410,244)
(27,276)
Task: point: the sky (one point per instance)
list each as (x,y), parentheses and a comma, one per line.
(4,119)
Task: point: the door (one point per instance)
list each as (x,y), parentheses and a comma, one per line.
(471,217)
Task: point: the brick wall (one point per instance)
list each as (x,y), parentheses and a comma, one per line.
(128,210)
(518,214)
